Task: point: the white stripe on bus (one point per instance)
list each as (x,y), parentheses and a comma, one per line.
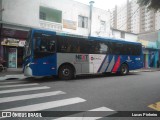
(105,65)
(110,67)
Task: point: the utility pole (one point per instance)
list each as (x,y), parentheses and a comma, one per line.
(90,17)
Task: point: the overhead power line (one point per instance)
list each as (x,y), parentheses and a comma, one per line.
(130,17)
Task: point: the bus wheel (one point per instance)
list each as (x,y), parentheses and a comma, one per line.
(124,69)
(66,72)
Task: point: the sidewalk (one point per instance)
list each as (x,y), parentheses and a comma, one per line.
(12,74)
(146,70)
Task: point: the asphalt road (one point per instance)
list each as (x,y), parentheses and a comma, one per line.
(134,92)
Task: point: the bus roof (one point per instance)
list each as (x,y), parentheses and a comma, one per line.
(89,38)
(43,31)
(113,40)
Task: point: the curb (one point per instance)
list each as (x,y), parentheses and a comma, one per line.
(145,70)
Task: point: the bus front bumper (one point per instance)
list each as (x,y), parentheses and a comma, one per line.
(28,71)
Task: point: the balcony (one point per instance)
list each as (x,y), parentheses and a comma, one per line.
(50,25)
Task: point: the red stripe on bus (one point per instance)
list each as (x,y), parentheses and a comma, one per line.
(116,66)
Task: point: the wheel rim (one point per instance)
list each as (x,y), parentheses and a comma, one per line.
(124,70)
(66,72)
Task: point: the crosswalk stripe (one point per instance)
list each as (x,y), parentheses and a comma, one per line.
(47,105)
(23,89)
(18,85)
(102,109)
(83,113)
(6,82)
(30,96)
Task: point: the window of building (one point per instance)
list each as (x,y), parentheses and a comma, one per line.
(122,34)
(42,15)
(103,26)
(82,21)
(51,15)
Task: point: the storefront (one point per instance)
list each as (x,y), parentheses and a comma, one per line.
(151,57)
(150,54)
(12,45)
(1,48)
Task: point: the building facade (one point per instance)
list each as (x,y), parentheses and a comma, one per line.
(18,16)
(132,18)
(145,23)
(151,51)
(123,35)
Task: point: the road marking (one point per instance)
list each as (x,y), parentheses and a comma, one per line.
(18,85)
(155,106)
(83,114)
(30,96)
(47,105)
(18,76)
(23,89)
(19,81)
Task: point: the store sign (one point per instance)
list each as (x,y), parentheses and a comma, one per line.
(148,44)
(11,33)
(22,43)
(13,42)
(69,24)
(143,42)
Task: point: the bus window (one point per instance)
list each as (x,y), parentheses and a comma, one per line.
(44,45)
(72,45)
(61,44)
(51,46)
(84,46)
(103,48)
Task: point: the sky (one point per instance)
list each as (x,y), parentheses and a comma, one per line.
(104,4)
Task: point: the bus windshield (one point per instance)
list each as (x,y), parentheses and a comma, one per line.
(43,45)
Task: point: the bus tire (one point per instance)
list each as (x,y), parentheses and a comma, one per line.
(124,69)
(66,72)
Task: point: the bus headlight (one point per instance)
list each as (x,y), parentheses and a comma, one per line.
(28,65)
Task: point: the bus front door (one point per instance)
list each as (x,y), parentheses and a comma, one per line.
(44,46)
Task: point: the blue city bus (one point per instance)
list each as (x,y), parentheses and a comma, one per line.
(49,53)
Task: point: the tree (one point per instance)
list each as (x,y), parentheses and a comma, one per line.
(151,4)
